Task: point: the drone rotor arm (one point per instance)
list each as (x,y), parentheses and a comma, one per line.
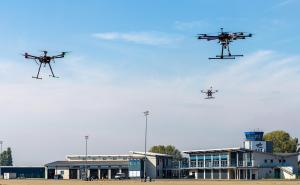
(62,55)
(27,56)
(207,37)
(57,56)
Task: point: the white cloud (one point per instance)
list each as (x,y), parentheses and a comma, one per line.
(148,38)
(281,4)
(284,3)
(260,90)
(264,69)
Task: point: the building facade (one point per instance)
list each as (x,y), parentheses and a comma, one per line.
(107,166)
(22,172)
(254,160)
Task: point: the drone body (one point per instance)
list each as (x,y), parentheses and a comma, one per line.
(225,38)
(44,59)
(209,93)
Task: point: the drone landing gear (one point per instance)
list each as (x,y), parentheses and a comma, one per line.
(37,76)
(219,57)
(52,72)
(222,56)
(53,76)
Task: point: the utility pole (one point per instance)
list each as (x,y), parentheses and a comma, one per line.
(86,145)
(1,143)
(146,113)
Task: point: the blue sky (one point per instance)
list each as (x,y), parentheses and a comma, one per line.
(69,25)
(133,55)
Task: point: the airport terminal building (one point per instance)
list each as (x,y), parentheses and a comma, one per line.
(107,166)
(254,160)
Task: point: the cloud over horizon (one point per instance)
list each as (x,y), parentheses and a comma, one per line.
(147,38)
(259,90)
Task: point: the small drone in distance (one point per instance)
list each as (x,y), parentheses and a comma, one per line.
(44,59)
(209,93)
(225,38)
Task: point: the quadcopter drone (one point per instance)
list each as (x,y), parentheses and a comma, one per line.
(44,59)
(209,93)
(225,38)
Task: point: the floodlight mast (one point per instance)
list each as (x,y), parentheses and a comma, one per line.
(1,143)
(146,114)
(86,145)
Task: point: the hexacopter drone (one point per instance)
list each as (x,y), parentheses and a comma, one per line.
(225,38)
(44,59)
(209,93)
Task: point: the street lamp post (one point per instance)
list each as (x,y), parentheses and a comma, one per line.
(86,145)
(1,143)
(146,113)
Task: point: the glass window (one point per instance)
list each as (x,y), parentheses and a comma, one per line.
(193,157)
(216,157)
(266,160)
(208,157)
(193,163)
(200,157)
(216,164)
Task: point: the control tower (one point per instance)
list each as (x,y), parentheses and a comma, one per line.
(254,141)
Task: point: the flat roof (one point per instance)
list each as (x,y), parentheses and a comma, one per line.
(217,150)
(90,163)
(97,155)
(148,154)
(22,167)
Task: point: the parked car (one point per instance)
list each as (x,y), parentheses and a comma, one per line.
(94,177)
(58,177)
(189,177)
(120,176)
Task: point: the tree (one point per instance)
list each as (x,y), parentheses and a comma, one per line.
(282,141)
(6,158)
(169,149)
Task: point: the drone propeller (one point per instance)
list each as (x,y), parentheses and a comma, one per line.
(65,52)
(243,34)
(45,52)
(223,32)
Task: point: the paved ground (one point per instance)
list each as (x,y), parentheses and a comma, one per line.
(164,182)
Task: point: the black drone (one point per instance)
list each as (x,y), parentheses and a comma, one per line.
(225,38)
(209,93)
(44,59)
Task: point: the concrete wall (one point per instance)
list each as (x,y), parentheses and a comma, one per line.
(259,160)
(151,167)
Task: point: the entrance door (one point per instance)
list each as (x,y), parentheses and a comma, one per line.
(104,173)
(94,174)
(277,173)
(73,173)
(51,173)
